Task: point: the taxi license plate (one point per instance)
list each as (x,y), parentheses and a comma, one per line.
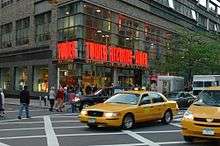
(208,131)
(92,120)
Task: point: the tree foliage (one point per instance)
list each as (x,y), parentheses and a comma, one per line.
(192,53)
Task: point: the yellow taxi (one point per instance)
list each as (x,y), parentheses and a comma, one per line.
(127,108)
(202,119)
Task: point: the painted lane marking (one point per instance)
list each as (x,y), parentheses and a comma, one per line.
(144,144)
(34,117)
(41,128)
(29,110)
(130,144)
(2,144)
(152,132)
(176,125)
(140,138)
(41,122)
(22,137)
(50,134)
(62,135)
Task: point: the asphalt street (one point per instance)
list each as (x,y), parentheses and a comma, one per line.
(64,129)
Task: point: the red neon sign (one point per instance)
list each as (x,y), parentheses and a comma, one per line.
(66,51)
(141,58)
(96,52)
(119,55)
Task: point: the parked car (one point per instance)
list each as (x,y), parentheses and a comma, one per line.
(128,108)
(183,99)
(98,97)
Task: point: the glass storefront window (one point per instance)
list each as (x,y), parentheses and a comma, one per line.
(21,77)
(68,21)
(5,78)
(40,79)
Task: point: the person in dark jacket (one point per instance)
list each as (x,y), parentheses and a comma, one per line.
(24,101)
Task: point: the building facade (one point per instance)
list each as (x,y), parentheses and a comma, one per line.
(81,42)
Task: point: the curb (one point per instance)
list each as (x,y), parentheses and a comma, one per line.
(11,103)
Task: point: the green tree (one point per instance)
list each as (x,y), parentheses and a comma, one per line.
(192,53)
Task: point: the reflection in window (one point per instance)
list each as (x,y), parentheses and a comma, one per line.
(21,77)
(6,35)
(42,23)
(40,79)
(67,22)
(5,78)
(203,2)
(22,31)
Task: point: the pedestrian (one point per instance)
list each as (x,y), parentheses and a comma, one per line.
(72,97)
(24,101)
(65,94)
(52,96)
(2,103)
(60,98)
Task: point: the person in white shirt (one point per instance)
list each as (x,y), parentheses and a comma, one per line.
(52,96)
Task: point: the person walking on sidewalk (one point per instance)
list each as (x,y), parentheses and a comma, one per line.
(72,101)
(24,101)
(2,103)
(52,96)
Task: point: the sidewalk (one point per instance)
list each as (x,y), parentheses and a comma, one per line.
(33,103)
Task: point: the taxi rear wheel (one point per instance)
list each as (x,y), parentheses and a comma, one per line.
(188,138)
(167,118)
(128,121)
(92,126)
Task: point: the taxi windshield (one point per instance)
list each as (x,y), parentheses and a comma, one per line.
(124,98)
(209,97)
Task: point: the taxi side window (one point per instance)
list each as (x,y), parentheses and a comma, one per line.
(145,99)
(156,98)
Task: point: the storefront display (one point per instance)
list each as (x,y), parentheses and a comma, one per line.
(68,75)
(21,77)
(5,78)
(40,79)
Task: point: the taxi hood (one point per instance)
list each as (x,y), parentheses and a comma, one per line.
(205,111)
(110,107)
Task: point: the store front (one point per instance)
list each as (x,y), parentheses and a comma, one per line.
(5,79)
(104,46)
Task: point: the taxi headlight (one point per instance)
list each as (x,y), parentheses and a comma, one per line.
(83,112)
(188,115)
(111,115)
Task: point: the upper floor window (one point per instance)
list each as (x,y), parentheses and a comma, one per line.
(202,20)
(203,3)
(183,9)
(212,26)
(42,23)
(67,22)
(22,31)
(5,3)
(6,35)
(164,2)
(213,7)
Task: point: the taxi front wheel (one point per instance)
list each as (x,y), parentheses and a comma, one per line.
(167,118)
(188,138)
(128,121)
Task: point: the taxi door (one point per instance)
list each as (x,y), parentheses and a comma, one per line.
(144,109)
(158,105)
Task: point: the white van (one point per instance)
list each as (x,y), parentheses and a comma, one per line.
(200,82)
(168,84)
